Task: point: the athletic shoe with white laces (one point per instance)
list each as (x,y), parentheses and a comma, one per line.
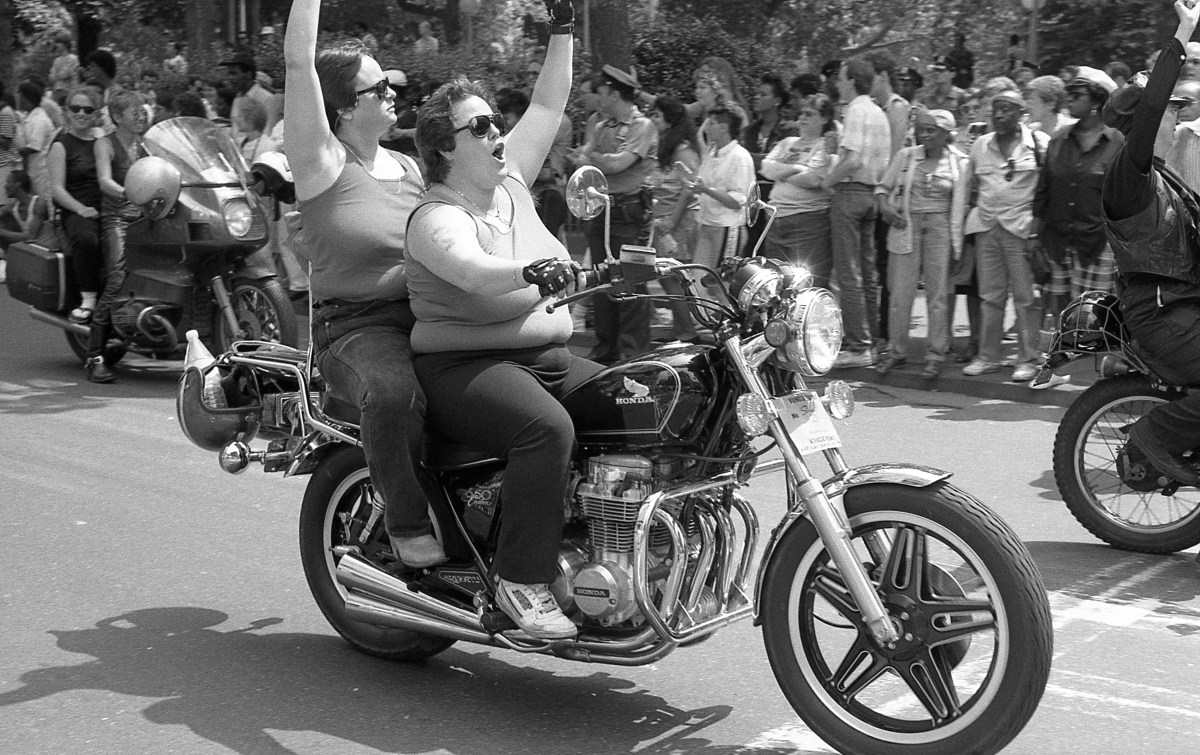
(534,610)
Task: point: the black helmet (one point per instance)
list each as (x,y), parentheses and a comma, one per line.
(1092,323)
(212,428)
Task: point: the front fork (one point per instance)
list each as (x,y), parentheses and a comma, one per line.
(827,515)
(221,296)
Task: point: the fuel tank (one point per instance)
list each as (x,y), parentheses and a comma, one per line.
(663,396)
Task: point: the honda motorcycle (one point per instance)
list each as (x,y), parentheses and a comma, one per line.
(900,615)
(1125,501)
(190,257)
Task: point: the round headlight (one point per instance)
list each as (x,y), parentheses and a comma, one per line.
(754,285)
(238,217)
(814,323)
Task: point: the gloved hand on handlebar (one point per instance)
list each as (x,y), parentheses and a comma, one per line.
(562,16)
(552,275)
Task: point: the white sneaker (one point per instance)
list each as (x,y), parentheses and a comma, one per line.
(848,359)
(1024,372)
(534,610)
(1047,379)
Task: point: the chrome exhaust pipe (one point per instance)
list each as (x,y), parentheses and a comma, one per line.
(356,574)
(59,321)
(368,610)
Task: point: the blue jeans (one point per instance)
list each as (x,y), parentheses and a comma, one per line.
(1000,263)
(856,280)
(363,352)
(803,239)
(931,254)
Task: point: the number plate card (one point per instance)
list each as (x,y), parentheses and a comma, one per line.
(807,422)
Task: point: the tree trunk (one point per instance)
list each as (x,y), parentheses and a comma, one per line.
(6,34)
(201,20)
(611,41)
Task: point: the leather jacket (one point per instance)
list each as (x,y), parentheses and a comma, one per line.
(1161,240)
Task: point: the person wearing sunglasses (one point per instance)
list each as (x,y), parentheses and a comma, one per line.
(1003,172)
(493,361)
(354,199)
(1149,217)
(76,190)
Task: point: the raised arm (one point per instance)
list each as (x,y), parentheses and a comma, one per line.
(532,138)
(312,149)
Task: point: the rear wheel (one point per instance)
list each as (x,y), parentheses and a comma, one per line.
(964,594)
(1089,441)
(337,505)
(263,312)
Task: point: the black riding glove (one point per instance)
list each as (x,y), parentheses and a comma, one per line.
(551,275)
(562,16)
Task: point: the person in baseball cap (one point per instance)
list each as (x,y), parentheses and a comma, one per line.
(908,81)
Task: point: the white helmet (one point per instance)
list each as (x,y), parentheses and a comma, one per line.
(152,184)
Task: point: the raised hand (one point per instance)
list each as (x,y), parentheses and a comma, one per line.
(562,16)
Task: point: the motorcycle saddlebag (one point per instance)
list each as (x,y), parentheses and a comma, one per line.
(38,276)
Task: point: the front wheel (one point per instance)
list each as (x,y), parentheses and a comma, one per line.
(263,312)
(963,592)
(337,506)
(1086,448)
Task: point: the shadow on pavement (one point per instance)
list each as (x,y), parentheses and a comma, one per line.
(235,686)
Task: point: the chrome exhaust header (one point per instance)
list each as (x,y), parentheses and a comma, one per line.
(368,610)
(359,576)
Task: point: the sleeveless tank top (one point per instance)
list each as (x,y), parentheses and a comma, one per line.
(80,181)
(450,318)
(120,167)
(353,233)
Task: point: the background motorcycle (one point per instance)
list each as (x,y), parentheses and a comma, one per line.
(900,615)
(1128,504)
(190,258)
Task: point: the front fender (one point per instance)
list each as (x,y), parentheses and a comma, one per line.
(912,475)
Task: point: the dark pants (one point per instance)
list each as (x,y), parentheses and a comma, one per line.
(87,257)
(506,403)
(1169,339)
(113,232)
(363,352)
(622,328)
(881,265)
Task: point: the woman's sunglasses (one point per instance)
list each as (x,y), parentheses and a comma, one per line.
(480,124)
(379,89)
(85,109)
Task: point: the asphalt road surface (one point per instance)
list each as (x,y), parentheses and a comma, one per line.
(150,603)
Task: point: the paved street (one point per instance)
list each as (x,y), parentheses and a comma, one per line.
(150,603)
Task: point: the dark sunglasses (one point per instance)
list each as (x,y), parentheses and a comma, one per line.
(1012,169)
(379,89)
(85,109)
(480,124)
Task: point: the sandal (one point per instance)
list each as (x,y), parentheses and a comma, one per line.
(81,315)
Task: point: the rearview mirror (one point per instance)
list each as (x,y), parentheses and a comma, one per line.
(753,204)
(587,192)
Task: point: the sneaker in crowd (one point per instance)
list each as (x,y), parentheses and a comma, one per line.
(980,367)
(848,359)
(1024,372)
(535,610)
(887,363)
(420,552)
(931,370)
(1047,379)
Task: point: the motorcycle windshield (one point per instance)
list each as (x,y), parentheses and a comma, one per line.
(203,152)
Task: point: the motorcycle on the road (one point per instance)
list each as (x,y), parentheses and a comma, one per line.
(1125,501)
(900,615)
(190,257)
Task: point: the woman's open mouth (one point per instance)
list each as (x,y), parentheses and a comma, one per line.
(498,152)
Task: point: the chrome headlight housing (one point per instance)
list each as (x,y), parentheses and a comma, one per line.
(808,335)
(754,285)
(239,218)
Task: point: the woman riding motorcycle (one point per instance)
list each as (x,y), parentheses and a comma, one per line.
(1151,218)
(354,199)
(493,361)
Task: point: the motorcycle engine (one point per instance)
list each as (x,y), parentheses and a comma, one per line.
(609,500)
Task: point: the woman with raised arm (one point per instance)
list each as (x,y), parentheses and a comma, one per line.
(493,361)
(355,199)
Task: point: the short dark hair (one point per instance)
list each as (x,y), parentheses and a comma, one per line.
(729,117)
(22,179)
(807,84)
(775,81)
(861,73)
(104,60)
(435,125)
(337,68)
(31,91)
(189,103)
(510,100)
